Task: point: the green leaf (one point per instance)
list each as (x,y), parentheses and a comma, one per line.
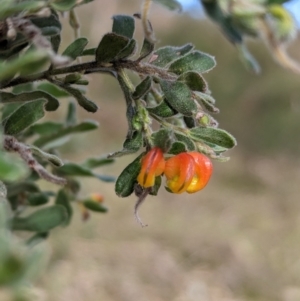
(162,110)
(207,102)
(177,148)
(52,90)
(84,126)
(110,46)
(194,81)
(51,105)
(89,51)
(94,206)
(165,55)
(36,239)
(76,48)
(45,128)
(54,160)
(91,163)
(130,145)
(190,145)
(163,139)
(42,220)
(23,117)
(63,5)
(147,49)
(28,63)
(170,4)
(195,61)
(142,88)
(11,168)
(71,117)
(50,26)
(179,97)
(63,199)
(72,78)
(127,51)
(123,25)
(37,199)
(72,169)
(212,135)
(9,8)
(14,189)
(127,179)
(85,103)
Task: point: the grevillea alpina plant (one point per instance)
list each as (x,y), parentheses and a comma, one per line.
(171,97)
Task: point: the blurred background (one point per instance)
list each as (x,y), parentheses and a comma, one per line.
(239,239)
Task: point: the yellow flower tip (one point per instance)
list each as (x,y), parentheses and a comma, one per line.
(153,165)
(179,171)
(97,197)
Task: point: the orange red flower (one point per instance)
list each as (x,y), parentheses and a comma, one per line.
(186,172)
(153,165)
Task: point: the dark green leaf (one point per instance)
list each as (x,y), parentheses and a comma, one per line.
(76,48)
(91,163)
(55,42)
(127,179)
(177,148)
(163,139)
(72,78)
(123,25)
(54,160)
(14,189)
(94,206)
(72,169)
(127,51)
(165,55)
(36,239)
(207,102)
(109,47)
(213,135)
(87,104)
(52,90)
(63,199)
(50,26)
(42,220)
(37,199)
(23,117)
(194,81)
(130,145)
(142,88)
(45,128)
(162,110)
(190,145)
(195,61)
(71,117)
(90,51)
(84,126)
(51,105)
(179,97)
(147,49)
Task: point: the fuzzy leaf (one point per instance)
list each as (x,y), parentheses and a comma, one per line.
(91,163)
(72,169)
(123,25)
(52,90)
(194,81)
(147,49)
(213,135)
(42,220)
(179,97)
(163,139)
(195,61)
(127,51)
(190,145)
(63,5)
(110,46)
(76,48)
(177,148)
(165,55)
(127,179)
(62,199)
(51,105)
(163,109)
(142,88)
(37,199)
(50,26)
(23,117)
